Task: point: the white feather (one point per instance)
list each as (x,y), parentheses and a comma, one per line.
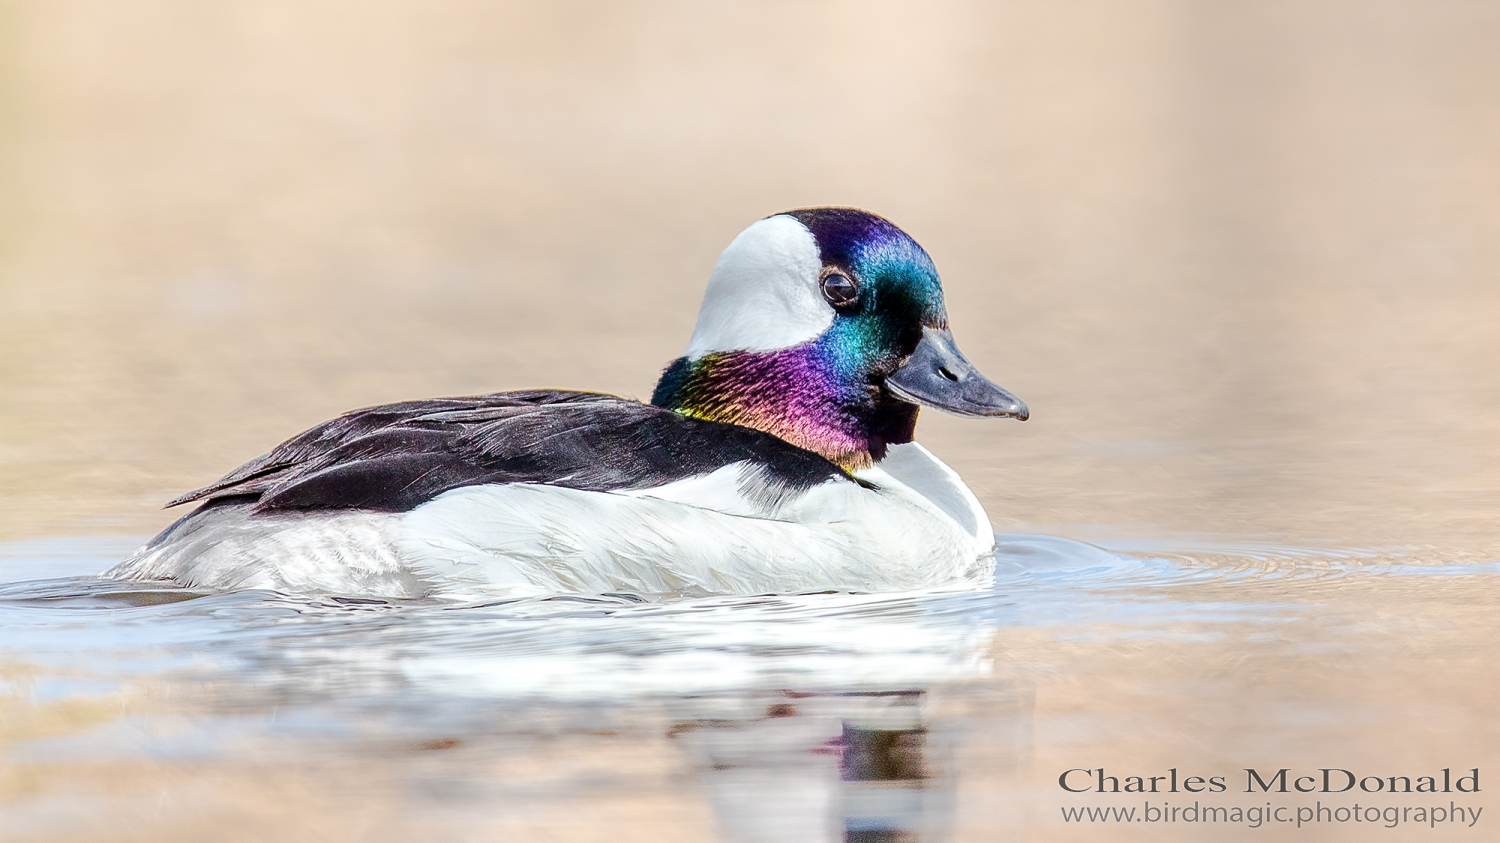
(929,478)
(725,490)
(323,553)
(763,294)
(524,539)
(725,532)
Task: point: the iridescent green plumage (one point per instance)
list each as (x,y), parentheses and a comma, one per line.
(825,395)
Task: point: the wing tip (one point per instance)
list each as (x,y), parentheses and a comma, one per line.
(187,498)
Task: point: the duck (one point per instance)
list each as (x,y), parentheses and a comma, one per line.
(776,455)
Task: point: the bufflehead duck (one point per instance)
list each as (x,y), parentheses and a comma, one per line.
(776,455)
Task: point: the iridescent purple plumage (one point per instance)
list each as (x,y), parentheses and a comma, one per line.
(825,395)
(798,394)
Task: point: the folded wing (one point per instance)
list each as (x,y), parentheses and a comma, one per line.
(396,457)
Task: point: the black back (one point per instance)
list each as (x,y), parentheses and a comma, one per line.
(396,457)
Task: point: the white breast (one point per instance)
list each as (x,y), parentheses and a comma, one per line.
(913,469)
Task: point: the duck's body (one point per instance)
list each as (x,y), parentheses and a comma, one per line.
(542,493)
(776,456)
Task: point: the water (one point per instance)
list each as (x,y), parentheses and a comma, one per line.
(930,715)
(1238,257)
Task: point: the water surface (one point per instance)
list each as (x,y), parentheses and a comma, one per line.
(937,715)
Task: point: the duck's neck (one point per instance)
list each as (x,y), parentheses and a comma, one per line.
(797,394)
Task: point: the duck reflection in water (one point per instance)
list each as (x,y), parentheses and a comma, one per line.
(822,767)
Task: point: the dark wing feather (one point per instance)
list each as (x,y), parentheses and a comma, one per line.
(396,457)
(259,474)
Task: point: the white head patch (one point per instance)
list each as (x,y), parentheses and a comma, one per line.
(763,294)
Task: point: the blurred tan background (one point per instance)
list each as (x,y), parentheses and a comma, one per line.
(1241,258)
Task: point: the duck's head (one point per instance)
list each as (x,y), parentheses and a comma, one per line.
(826,327)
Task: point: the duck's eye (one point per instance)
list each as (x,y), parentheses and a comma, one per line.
(839,289)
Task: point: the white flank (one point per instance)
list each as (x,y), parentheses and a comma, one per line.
(726,532)
(526,540)
(763,294)
(225,549)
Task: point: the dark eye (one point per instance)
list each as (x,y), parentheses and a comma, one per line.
(839,289)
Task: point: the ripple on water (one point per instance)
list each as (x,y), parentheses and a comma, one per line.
(793,710)
(60,618)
